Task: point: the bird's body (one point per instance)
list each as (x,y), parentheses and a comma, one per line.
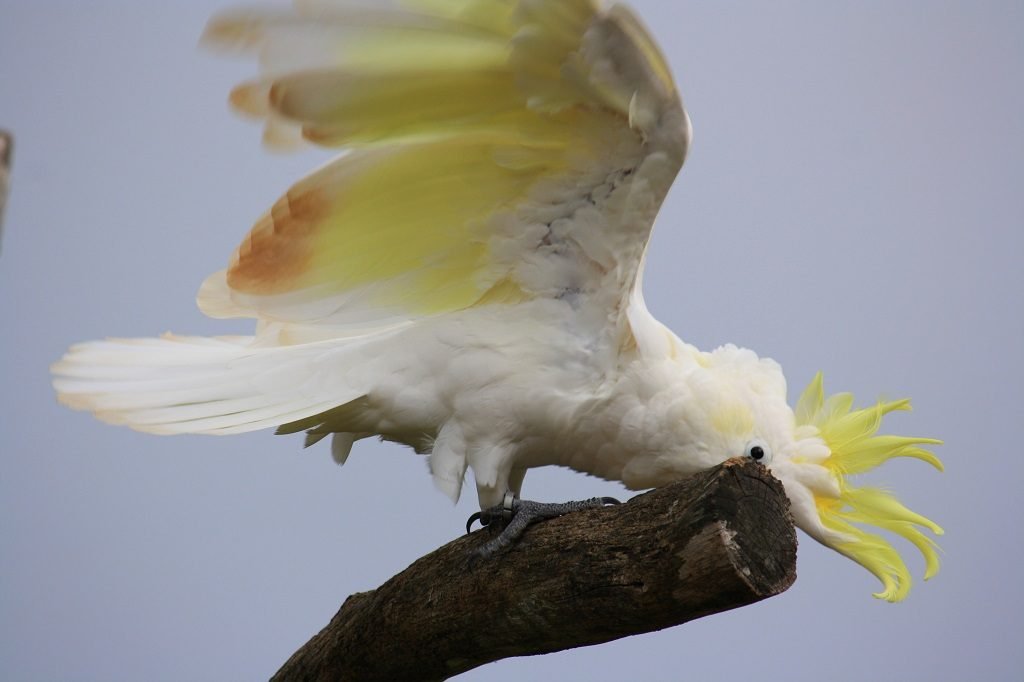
(480,392)
(466,279)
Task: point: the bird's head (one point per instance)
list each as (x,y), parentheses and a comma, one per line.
(831,442)
(815,450)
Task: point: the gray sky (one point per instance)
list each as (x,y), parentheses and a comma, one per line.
(853,203)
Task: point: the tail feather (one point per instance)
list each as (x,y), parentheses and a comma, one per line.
(180,384)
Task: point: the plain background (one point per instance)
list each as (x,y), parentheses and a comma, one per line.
(854,202)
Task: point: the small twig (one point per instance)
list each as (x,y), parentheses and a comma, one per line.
(6,155)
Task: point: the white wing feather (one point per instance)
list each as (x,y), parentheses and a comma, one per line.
(498,155)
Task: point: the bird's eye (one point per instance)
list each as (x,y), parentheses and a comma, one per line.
(758,451)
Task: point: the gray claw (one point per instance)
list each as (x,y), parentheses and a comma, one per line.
(476,516)
(506,510)
(520,514)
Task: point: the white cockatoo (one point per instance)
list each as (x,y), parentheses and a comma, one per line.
(465,278)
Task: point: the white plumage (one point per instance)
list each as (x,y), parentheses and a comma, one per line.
(466,277)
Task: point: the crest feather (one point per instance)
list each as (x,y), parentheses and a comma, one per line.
(855,447)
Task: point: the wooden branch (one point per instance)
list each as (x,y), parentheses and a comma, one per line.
(6,152)
(721,539)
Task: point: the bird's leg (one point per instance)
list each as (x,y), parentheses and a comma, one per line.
(517,514)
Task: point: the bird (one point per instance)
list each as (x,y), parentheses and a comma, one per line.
(465,277)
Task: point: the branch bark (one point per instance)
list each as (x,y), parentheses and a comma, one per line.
(713,542)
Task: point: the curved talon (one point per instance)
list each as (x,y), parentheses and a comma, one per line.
(476,516)
(504,511)
(516,515)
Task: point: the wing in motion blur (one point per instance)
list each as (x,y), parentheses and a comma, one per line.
(494,153)
(480,136)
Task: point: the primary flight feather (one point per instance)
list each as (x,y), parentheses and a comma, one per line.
(465,278)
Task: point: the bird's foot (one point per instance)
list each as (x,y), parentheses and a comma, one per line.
(517,514)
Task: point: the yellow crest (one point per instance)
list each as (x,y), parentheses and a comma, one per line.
(850,435)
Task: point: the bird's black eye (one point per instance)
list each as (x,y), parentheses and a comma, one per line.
(758,451)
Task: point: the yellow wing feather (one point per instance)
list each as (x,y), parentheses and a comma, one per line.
(467,121)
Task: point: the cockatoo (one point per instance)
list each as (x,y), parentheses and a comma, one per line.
(465,278)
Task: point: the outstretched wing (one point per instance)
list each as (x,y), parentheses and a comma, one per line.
(494,151)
